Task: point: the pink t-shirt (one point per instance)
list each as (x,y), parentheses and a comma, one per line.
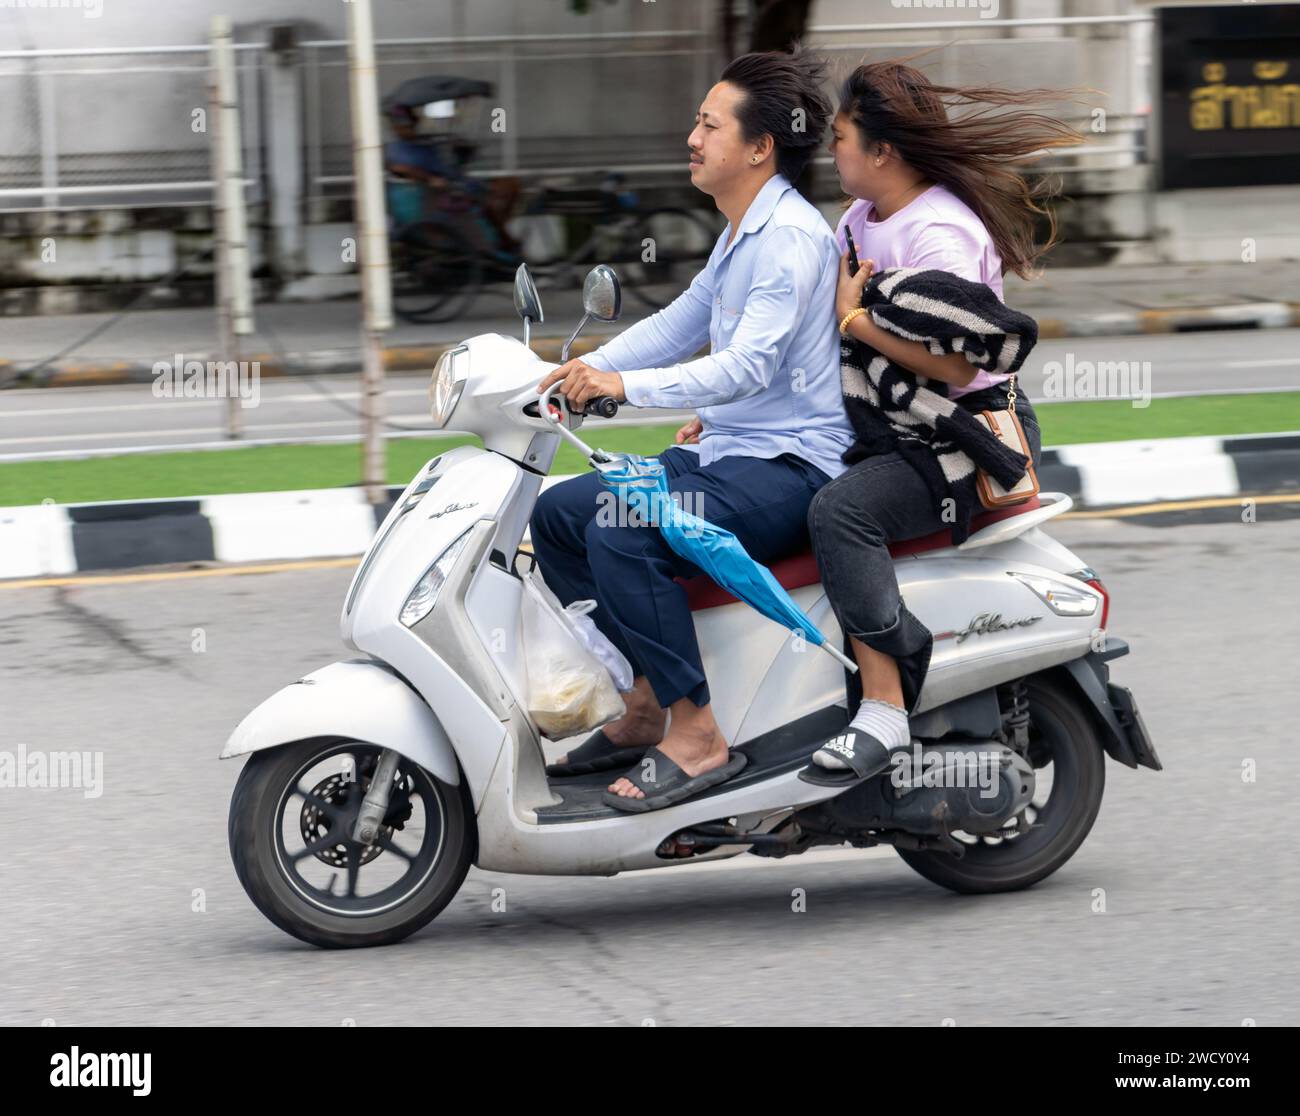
(934,230)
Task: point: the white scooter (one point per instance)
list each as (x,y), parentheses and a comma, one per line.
(374,783)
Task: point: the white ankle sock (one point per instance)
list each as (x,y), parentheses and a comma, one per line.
(880,719)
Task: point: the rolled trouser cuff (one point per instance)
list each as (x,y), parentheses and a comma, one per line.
(910,644)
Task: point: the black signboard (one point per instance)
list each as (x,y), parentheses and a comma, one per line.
(1229,105)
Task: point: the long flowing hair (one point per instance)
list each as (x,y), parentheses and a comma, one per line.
(974,140)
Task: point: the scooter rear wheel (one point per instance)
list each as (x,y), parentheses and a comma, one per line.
(1063,736)
(291,818)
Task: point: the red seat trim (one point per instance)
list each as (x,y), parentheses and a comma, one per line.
(800,569)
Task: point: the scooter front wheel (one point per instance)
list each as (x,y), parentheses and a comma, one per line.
(291,821)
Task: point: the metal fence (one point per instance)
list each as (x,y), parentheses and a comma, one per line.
(111,127)
(114,127)
(563,99)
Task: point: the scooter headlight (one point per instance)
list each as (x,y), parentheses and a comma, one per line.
(447,383)
(424,596)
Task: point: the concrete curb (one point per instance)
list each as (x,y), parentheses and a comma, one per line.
(1112,474)
(1244,315)
(57,539)
(414,358)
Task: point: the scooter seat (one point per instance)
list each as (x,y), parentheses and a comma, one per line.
(800,569)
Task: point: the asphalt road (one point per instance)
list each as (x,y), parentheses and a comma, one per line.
(60,421)
(124,908)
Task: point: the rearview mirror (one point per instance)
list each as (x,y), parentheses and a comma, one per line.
(527,301)
(602,298)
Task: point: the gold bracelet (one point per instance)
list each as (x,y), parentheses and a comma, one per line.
(844,323)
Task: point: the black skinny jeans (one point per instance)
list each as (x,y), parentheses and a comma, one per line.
(852,520)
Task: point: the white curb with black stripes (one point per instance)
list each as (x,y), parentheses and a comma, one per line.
(1108,474)
(55,539)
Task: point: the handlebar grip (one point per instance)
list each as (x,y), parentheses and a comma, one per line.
(603,406)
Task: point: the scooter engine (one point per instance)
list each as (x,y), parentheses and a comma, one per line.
(972,785)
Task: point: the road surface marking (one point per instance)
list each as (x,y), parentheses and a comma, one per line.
(252,427)
(1182,505)
(181,575)
(268,399)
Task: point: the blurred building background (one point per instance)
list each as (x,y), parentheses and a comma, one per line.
(98,142)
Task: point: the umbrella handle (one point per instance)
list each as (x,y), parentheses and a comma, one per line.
(544,409)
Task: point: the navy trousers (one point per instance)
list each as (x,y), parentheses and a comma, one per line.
(588,552)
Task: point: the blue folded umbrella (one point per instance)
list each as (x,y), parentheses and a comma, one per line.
(642,485)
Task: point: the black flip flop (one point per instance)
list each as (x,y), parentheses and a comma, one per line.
(865,755)
(597,753)
(670,784)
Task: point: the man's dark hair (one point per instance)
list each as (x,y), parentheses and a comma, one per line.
(784,98)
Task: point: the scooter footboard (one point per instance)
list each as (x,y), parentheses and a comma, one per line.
(360,699)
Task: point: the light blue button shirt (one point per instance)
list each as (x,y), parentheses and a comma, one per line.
(766,303)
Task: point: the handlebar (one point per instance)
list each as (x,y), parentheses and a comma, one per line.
(602,406)
(553,412)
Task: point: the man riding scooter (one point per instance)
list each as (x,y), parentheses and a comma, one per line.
(771,428)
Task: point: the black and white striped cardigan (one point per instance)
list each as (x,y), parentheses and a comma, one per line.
(894,410)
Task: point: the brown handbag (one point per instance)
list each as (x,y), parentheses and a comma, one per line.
(1005,426)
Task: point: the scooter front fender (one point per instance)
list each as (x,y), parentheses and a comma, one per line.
(360,699)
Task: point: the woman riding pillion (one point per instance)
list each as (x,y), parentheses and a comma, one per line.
(943,196)
(773,428)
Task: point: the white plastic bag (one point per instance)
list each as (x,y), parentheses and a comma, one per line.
(597,642)
(569,689)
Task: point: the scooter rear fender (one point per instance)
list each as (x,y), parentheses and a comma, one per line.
(1111,706)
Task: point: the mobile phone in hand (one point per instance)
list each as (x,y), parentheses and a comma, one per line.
(853,251)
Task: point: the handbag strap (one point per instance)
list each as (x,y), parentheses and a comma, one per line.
(1011,394)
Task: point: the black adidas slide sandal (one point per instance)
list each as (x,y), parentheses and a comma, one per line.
(596,753)
(865,755)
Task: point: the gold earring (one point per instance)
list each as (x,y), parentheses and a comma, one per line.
(754,159)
